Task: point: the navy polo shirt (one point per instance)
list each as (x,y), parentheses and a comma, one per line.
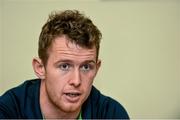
(23,102)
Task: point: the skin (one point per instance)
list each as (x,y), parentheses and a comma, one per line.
(66,79)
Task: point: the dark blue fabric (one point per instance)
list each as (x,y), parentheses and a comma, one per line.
(23,102)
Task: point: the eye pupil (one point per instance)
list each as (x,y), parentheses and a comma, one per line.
(86,66)
(64,66)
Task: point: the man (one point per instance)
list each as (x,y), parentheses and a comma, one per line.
(66,67)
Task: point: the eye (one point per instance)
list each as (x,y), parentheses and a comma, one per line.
(86,67)
(64,66)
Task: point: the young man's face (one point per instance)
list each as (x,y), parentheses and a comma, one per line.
(69,74)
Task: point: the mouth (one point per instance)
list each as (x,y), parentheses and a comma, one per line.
(72,97)
(72,94)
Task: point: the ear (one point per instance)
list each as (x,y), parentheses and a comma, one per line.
(98,64)
(39,68)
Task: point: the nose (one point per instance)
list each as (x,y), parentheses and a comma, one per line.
(75,80)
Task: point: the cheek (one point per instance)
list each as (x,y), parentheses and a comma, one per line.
(54,82)
(87,80)
(53,87)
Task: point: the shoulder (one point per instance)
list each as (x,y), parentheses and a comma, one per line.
(103,107)
(13,101)
(24,89)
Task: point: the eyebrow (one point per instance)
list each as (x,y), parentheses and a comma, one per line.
(71,61)
(89,61)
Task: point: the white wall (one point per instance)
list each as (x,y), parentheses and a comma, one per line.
(140,49)
(1,4)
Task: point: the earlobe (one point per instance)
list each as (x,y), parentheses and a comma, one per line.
(38,68)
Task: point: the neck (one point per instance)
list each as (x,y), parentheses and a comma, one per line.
(51,111)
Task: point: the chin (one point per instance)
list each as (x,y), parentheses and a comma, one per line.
(71,108)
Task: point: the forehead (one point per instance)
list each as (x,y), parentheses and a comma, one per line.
(62,45)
